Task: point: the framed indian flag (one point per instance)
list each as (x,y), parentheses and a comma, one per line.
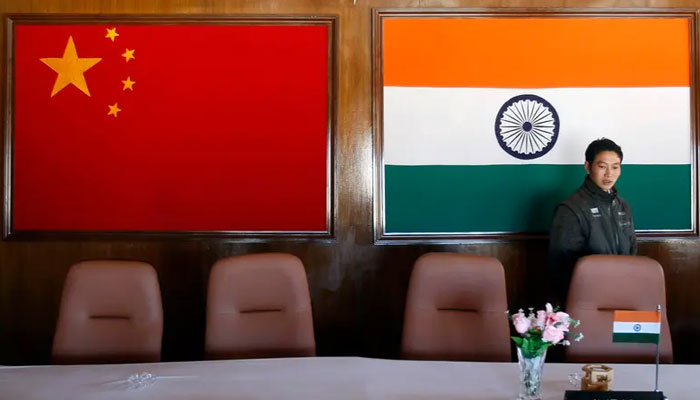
(482,117)
(170,125)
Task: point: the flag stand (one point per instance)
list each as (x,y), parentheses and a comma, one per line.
(632,326)
(658,344)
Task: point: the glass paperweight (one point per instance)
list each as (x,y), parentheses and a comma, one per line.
(140,380)
(575,380)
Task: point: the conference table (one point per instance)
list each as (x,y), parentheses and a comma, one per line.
(319,378)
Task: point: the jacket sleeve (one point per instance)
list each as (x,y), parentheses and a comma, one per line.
(567,240)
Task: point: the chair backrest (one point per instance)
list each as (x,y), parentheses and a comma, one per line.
(603,283)
(455,309)
(111,312)
(258,306)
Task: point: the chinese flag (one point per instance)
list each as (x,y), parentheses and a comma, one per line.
(170,128)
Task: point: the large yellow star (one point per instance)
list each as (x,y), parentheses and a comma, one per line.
(128,84)
(129,55)
(70,69)
(113,110)
(112,34)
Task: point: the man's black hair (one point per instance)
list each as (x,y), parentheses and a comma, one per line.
(600,145)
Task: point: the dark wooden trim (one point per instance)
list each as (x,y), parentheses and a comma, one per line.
(8,128)
(332,140)
(378,124)
(331,21)
(536,12)
(694,128)
(379,14)
(169,19)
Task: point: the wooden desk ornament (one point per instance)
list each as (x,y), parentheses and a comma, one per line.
(597,377)
(597,384)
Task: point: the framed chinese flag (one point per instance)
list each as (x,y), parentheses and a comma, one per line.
(169,126)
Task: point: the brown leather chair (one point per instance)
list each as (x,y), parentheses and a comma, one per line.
(258,306)
(110,312)
(455,309)
(603,283)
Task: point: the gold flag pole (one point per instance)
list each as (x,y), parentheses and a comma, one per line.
(658,344)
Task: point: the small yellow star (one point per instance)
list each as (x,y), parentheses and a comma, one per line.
(112,34)
(113,110)
(128,84)
(129,55)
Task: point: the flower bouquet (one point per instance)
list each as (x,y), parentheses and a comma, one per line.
(538,330)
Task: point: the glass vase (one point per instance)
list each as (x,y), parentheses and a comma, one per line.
(530,375)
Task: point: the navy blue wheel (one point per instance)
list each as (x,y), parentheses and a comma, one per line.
(527,127)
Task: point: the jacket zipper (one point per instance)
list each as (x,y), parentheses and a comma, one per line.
(615,227)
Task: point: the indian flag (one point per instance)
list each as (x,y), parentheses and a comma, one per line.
(636,326)
(485,121)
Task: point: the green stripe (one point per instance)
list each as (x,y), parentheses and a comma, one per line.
(636,337)
(521,198)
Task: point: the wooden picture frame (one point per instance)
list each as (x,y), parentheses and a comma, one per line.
(253,165)
(445,79)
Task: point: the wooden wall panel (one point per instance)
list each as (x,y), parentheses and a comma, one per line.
(357,288)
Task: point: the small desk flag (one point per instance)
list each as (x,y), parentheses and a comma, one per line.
(636,326)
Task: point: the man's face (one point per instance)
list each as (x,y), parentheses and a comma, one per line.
(605,169)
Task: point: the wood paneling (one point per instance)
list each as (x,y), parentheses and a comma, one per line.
(357,288)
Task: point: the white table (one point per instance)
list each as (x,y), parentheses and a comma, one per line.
(323,378)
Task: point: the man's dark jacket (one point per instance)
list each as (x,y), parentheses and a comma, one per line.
(591,221)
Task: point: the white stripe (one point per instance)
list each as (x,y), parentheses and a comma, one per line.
(644,327)
(456,126)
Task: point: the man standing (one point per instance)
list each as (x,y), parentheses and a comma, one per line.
(593,220)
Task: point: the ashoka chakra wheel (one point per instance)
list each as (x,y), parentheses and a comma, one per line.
(527,126)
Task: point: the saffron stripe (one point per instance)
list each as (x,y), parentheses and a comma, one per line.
(536,52)
(636,316)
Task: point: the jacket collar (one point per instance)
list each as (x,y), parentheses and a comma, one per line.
(597,192)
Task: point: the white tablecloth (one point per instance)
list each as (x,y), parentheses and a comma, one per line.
(322,378)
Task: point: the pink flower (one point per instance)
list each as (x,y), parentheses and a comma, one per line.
(541,319)
(521,323)
(548,307)
(552,334)
(561,320)
(547,327)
